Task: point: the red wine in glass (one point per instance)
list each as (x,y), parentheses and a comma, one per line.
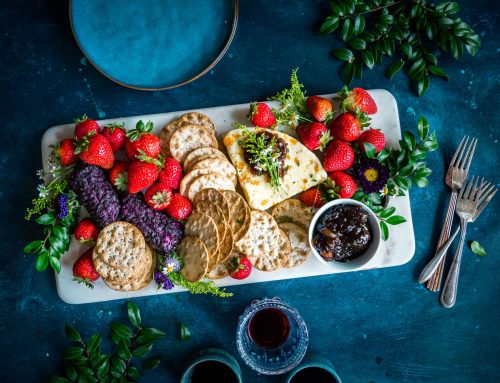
(213,371)
(313,374)
(269,328)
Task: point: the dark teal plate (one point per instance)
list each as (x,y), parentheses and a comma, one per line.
(153,44)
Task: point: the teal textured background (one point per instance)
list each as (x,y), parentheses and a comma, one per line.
(375,326)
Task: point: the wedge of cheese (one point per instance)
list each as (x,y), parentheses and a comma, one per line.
(304,171)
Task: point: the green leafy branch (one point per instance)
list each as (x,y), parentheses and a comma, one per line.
(85,362)
(410,31)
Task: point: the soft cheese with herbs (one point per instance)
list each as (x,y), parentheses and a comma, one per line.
(286,167)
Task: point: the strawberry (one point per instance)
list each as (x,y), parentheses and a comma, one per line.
(171,174)
(64,152)
(320,108)
(95,150)
(84,270)
(85,126)
(239,267)
(141,175)
(345,186)
(312,197)
(314,135)
(338,156)
(356,100)
(346,127)
(180,207)
(158,196)
(261,115)
(141,142)
(86,231)
(118,175)
(115,134)
(374,137)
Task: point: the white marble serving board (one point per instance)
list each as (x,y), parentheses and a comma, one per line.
(398,250)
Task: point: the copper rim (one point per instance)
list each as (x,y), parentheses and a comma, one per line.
(212,64)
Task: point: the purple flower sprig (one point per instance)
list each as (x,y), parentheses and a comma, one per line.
(161,275)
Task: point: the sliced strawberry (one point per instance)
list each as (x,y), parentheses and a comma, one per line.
(313,197)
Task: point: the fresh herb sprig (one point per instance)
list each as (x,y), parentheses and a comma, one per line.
(85,361)
(410,31)
(478,249)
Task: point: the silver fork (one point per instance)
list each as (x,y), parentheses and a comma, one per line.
(455,178)
(434,262)
(471,202)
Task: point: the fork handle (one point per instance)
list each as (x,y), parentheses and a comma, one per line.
(449,293)
(435,281)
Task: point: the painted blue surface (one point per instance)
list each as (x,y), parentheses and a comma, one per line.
(152,43)
(375,326)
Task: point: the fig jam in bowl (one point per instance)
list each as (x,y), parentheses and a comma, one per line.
(344,235)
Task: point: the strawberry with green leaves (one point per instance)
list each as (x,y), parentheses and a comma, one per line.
(64,152)
(373,137)
(118,175)
(85,126)
(261,115)
(84,270)
(240,267)
(142,140)
(158,196)
(347,126)
(338,156)
(95,150)
(320,108)
(171,174)
(180,207)
(342,185)
(356,100)
(86,231)
(314,135)
(116,135)
(313,197)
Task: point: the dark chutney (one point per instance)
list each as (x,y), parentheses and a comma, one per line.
(280,148)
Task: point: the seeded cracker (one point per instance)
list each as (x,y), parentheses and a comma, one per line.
(138,283)
(197,118)
(166,134)
(299,244)
(218,165)
(195,154)
(210,209)
(293,210)
(215,181)
(190,177)
(203,227)
(190,137)
(259,243)
(284,247)
(216,197)
(239,213)
(195,256)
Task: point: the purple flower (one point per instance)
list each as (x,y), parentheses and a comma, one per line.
(162,281)
(372,175)
(171,265)
(62,206)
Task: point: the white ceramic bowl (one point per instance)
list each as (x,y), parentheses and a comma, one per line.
(363,259)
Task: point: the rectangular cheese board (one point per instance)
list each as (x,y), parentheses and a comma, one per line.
(397,250)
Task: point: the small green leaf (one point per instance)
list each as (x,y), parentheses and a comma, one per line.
(382,155)
(343,54)
(72,333)
(370,149)
(367,58)
(410,140)
(330,24)
(357,43)
(133,373)
(46,219)
(58,379)
(435,70)
(396,220)
(374,198)
(445,21)
(151,363)
(348,73)
(123,351)
(94,343)
(55,263)
(42,261)
(386,213)
(71,372)
(384,230)
(33,247)
(141,351)
(477,249)
(118,365)
(358,69)
(121,330)
(395,68)
(359,24)
(72,353)
(134,315)
(421,182)
(184,332)
(423,128)
(84,371)
(102,367)
(347,29)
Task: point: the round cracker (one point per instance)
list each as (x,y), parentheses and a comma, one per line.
(203,227)
(239,213)
(195,256)
(137,283)
(213,180)
(299,242)
(293,210)
(211,209)
(189,177)
(166,134)
(259,243)
(217,165)
(284,247)
(197,153)
(116,275)
(210,156)
(213,195)
(190,137)
(120,244)
(196,118)
(226,246)
(218,271)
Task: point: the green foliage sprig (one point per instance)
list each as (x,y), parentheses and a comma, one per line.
(410,31)
(85,361)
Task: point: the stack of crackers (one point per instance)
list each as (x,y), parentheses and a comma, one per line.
(191,139)
(122,257)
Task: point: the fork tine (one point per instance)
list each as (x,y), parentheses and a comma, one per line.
(484,203)
(475,190)
(462,189)
(485,191)
(468,150)
(467,165)
(468,187)
(458,153)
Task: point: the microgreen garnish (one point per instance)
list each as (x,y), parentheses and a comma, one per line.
(84,361)
(477,249)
